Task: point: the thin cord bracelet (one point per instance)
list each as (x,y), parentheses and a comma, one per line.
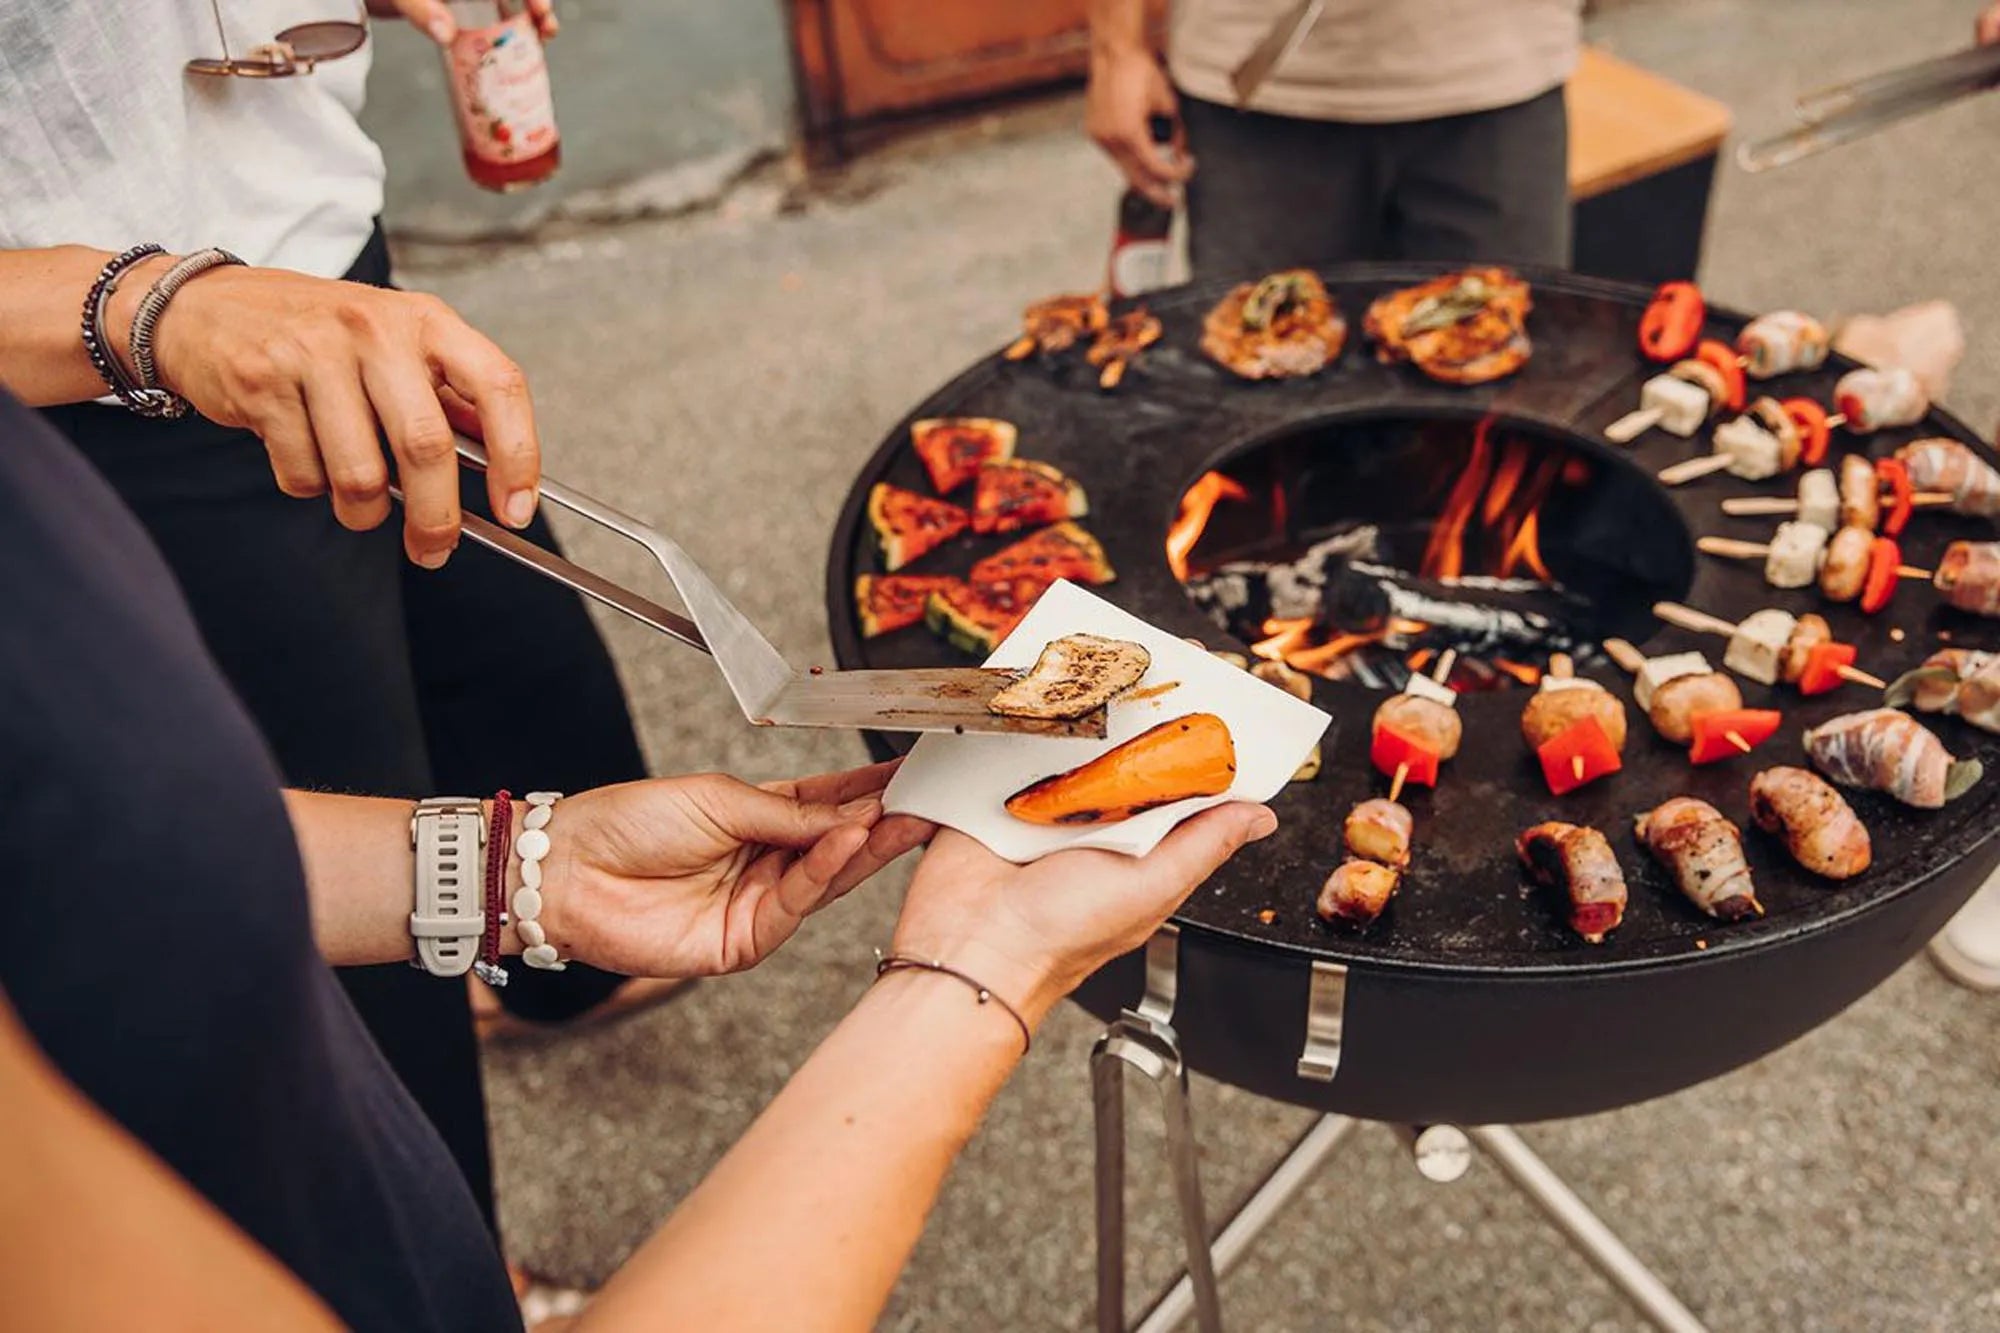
(158,399)
(896,962)
(499,848)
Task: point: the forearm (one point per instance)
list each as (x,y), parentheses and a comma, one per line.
(1117,27)
(42,359)
(831,1185)
(360,876)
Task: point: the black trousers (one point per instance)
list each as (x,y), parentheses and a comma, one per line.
(1272,192)
(370,675)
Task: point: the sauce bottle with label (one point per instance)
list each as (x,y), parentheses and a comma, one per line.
(1141,250)
(499,81)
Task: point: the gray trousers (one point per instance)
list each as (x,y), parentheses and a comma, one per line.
(1272,192)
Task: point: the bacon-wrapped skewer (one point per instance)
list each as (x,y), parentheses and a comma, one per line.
(1818,827)
(1416,731)
(1969,577)
(1782,342)
(1119,343)
(1580,862)
(1055,324)
(1970,484)
(1377,834)
(1773,645)
(1952,680)
(1872,400)
(1575,726)
(1704,853)
(1888,751)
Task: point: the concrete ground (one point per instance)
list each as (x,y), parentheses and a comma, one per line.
(725,375)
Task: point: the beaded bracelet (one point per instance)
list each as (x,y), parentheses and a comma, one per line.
(896,962)
(532,845)
(94,301)
(498,836)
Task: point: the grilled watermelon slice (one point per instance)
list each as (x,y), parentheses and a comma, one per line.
(1019,493)
(907,524)
(953,448)
(1064,551)
(885,603)
(974,618)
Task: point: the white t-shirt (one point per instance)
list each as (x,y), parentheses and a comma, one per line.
(106,140)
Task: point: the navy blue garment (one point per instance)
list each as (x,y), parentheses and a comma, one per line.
(163,954)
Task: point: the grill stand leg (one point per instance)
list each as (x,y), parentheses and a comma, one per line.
(1144,1039)
(1586,1231)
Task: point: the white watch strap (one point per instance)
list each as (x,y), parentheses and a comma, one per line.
(447,833)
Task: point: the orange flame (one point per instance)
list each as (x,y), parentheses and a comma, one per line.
(1285,637)
(1196,507)
(1444,555)
(1526,549)
(1521,671)
(1325,654)
(1506,478)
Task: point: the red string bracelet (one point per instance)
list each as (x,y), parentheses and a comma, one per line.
(499,849)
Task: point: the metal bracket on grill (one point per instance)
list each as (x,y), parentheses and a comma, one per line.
(1326,1020)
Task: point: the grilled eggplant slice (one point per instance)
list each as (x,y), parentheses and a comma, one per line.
(1176,761)
(1073,675)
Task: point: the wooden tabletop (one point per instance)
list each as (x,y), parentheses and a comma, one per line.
(1626,123)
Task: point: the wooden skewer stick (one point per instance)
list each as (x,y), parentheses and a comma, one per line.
(1576,766)
(1446,661)
(1396,783)
(1625,655)
(1735,738)
(1686,617)
(1855,675)
(1914,572)
(1561,666)
(1733,549)
(1679,474)
(1764,506)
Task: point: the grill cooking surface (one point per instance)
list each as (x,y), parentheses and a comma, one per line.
(1463,904)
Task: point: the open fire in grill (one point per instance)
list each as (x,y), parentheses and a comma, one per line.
(1278,551)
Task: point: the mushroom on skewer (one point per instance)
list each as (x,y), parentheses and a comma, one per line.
(1417,730)
(1580,862)
(1818,827)
(1704,852)
(1961,681)
(1768,644)
(1690,704)
(1575,726)
(1889,751)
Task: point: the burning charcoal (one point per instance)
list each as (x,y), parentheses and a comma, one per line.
(1251,592)
(1474,614)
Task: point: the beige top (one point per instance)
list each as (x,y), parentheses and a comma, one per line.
(1381,60)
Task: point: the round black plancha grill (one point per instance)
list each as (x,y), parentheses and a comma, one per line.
(1469,1001)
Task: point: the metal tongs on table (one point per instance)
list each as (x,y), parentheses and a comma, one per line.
(1849,111)
(769,690)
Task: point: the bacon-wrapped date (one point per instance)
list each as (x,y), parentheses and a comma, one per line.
(1888,751)
(1379,830)
(1704,853)
(1963,681)
(1782,342)
(1940,464)
(1969,577)
(1578,861)
(1356,892)
(1814,821)
(1873,400)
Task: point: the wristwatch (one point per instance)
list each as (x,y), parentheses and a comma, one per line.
(448,834)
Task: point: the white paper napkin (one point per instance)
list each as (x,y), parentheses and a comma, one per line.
(963,782)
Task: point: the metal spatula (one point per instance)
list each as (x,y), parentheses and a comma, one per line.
(768,689)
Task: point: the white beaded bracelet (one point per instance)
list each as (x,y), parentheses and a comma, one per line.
(531,846)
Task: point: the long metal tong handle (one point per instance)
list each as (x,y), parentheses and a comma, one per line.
(756,672)
(1850,111)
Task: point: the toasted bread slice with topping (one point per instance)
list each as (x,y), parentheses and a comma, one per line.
(1074,674)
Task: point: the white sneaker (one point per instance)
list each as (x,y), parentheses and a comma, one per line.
(1968,949)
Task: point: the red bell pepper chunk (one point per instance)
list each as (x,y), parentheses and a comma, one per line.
(1902,495)
(1885,561)
(1823,664)
(1672,323)
(1717,734)
(1578,755)
(1728,363)
(1391,750)
(1814,434)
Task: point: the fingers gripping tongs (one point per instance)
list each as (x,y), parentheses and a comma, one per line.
(768,689)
